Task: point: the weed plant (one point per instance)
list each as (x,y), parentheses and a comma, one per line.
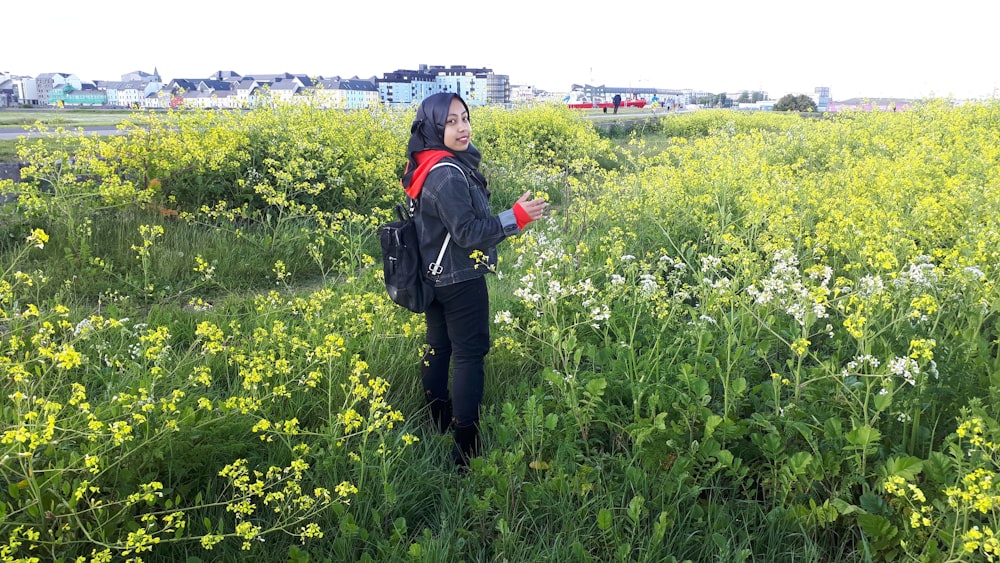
(738,337)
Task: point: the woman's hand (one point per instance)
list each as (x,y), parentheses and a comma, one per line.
(531,209)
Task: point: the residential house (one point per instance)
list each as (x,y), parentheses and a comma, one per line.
(48,81)
(7,96)
(128,94)
(354,93)
(285,90)
(25,90)
(161,99)
(219,99)
(248,92)
(199,92)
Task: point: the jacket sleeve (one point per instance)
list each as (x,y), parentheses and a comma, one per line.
(451,199)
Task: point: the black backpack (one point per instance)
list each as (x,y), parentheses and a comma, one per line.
(408,284)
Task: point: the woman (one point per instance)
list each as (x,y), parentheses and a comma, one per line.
(442,175)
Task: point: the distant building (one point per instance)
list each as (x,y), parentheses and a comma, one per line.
(875,104)
(128,94)
(228,89)
(25,90)
(477,86)
(49,81)
(7,95)
(353,93)
(140,76)
(86,94)
(822,98)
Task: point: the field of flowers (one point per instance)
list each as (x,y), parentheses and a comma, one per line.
(738,337)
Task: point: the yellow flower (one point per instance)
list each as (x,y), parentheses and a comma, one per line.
(800,346)
(68,358)
(345,488)
(38,237)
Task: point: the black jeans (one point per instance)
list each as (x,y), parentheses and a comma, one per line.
(458,332)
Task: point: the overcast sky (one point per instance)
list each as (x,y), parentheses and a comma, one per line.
(858,48)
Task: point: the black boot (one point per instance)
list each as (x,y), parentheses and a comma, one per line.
(466,444)
(440,413)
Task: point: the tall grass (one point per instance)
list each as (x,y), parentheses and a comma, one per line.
(749,338)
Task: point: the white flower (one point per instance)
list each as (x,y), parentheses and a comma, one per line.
(586,287)
(870,285)
(710,263)
(648,283)
(906,368)
(601,313)
(83,327)
(555,288)
(921,272)
(503,317)
(975,271)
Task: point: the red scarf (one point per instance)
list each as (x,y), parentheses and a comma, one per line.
(425,161)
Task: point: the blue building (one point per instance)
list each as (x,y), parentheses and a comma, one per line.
(477,86)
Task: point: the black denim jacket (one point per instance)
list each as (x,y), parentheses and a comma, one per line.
(453,201)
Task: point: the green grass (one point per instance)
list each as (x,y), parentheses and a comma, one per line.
(14,117)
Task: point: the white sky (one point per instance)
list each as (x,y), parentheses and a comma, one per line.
(858,48)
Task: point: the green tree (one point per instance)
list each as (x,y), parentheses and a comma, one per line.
(791,102)
(744,98)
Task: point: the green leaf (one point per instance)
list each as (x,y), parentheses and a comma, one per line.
(660,527)
(936,467)
(738,386)
(864,437)
(799,462)
(604,519)
(880,529)
(873,503)
(635,508)
(882,402)
(907,467)
(551,420)
(711,424)
(725,458)
(552,377)
(720,541)
(399,527)
(596,386)
(843,507)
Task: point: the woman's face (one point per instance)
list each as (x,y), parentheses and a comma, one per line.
(457,128)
